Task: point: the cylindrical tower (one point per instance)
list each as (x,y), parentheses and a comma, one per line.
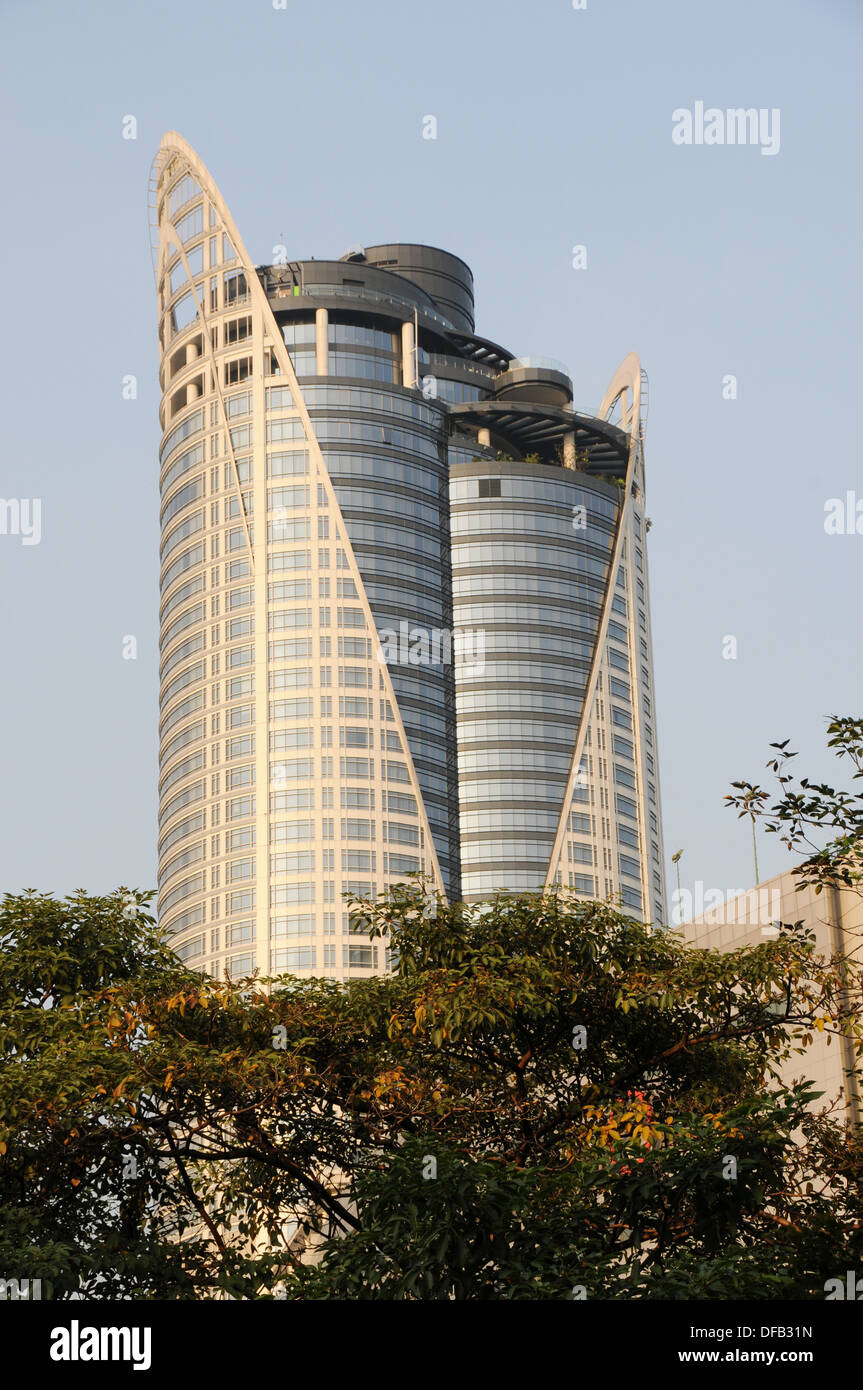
(287,776)
(529,584)
(558,775)
(374,520)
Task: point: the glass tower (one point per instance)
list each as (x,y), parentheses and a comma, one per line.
(404,620)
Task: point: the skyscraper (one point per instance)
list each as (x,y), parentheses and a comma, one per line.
(404,622)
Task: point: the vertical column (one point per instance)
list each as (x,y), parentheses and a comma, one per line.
(409,365)
(322,347)
(569,449)
(261,695)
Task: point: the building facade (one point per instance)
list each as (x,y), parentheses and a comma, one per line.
(835,916)
(404,616)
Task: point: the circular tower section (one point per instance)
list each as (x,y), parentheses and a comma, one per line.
(532,546)
(353,332)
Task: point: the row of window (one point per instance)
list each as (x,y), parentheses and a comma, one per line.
(357,399)
(297,333)
(520,586)
(502,557)
(479,730)
(373,466)
(517,488)
(517,613)
(464,523)
(285,959)
(367,366)
(526,672)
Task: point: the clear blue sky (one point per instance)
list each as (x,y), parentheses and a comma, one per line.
(554,129)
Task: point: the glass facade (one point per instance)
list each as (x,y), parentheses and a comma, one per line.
(532,568)
(391,487)
(388,621)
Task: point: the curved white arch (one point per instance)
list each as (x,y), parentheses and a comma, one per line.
(270,339)
(626,386)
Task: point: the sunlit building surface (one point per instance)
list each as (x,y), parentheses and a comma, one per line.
(404,622)
(835,916)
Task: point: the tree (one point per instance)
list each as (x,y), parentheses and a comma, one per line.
(812,818)
(545,1100)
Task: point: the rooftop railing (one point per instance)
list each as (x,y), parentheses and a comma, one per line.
(440,359)
(545,364)
(374,297)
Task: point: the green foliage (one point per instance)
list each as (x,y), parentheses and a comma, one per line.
(541,1100)
(813,818)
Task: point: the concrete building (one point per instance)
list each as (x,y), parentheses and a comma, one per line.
(405,622)
(836,918)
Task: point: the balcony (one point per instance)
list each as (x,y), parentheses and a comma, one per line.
(540,380)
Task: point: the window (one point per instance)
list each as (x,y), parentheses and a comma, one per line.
(184,312)
(240,369)
(359,957)
(294,333)
(580,854)
(240,777)
(354,738)
(234,286)
(237,966)
(241,902)
(238,329)
(353,859)
(298,831)
(293,958)
(356,829)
